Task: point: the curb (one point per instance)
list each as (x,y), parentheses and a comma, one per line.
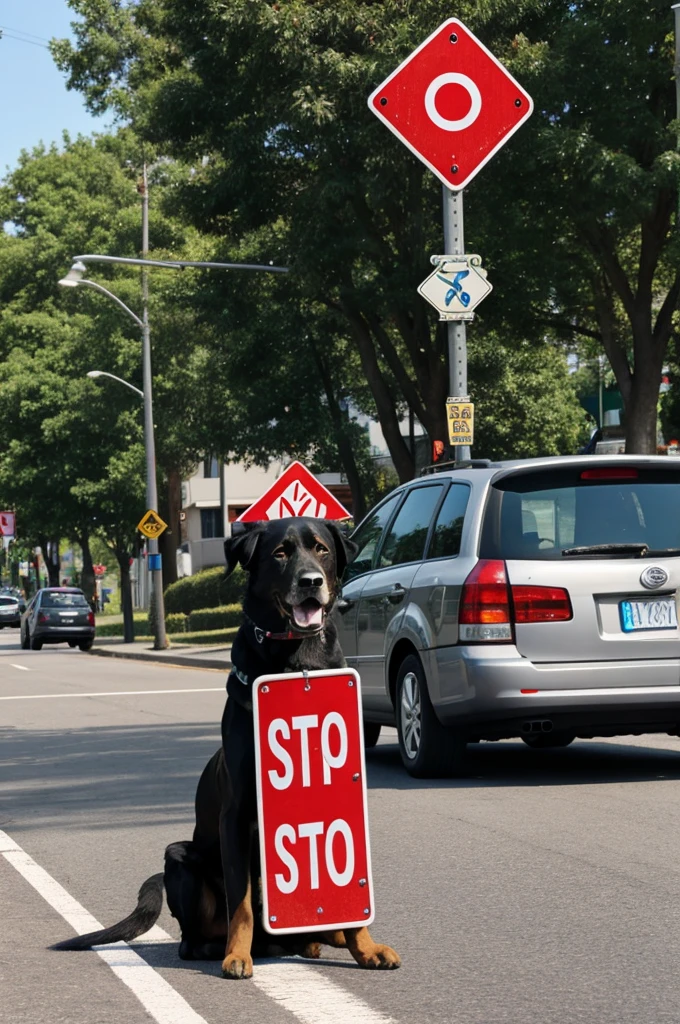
(188,661)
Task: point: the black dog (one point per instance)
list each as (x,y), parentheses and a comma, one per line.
(294,568)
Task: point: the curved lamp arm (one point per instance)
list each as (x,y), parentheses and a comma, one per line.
(103,373)
(105,291)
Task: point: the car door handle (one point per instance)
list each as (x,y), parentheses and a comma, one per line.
(396,594)
(343,605)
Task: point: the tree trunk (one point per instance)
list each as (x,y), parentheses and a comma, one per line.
(342,439)
(384,402)
(170,539)
(87,580)
(641,407)
(123,559)
(50,556)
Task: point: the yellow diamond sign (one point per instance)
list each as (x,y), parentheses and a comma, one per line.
(460,415)
(151,525)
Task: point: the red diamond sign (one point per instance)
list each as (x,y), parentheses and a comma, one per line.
(297,492)
(452,103)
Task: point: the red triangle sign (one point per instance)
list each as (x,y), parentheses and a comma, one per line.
(297,492)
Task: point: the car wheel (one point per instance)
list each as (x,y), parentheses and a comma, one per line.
(72,643)
(86,645)
(25,641)
(371,734)
(428,749)
(36,645)
(548,740)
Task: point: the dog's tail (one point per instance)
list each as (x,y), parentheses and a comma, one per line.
(145,914)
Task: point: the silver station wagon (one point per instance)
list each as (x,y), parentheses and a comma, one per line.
(533,598)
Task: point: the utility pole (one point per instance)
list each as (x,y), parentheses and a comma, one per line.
(157,602)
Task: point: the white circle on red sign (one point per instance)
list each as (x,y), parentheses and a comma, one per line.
(453,78)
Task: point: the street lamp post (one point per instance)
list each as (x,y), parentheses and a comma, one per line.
(74,278)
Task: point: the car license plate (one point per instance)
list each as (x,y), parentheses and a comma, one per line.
(649,614)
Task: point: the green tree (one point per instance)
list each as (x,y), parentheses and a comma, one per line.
(582,240)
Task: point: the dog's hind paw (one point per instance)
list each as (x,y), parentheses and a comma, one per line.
(237,966)
(312,951)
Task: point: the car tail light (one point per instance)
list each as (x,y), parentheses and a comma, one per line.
(43,617)
(484,611)
(541,604)
(610,473)
(90,618)
(489,606)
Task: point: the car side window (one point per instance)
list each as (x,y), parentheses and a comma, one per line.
(445,540)
(368,537)
(405,541)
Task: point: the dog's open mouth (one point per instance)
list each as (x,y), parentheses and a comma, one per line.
(308,615)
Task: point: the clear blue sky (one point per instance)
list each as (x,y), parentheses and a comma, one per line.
(36,105)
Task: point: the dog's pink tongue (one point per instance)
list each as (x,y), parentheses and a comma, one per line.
(308,614)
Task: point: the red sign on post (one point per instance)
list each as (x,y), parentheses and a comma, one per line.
(452,103)
(311,793)
(7,524)
(297,492)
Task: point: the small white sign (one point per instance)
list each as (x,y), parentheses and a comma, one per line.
(456,286)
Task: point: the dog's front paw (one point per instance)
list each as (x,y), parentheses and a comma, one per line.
(237,966)
(379,958)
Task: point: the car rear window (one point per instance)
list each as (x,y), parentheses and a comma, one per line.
(8,600)
(64,601)
(539,515)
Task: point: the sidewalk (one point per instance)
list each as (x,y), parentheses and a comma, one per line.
(200,656)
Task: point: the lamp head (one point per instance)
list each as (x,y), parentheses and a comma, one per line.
(94,373)
(74,275)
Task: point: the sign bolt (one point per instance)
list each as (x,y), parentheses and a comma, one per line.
(319,910)
(350,682)
(362,882)
(272,917)
(356,777)
(453,38)
(308,686)
(454,169)
(383,101)
(518,103)
(367,910)
(264,689)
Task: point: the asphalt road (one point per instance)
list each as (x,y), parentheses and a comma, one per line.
(543,887)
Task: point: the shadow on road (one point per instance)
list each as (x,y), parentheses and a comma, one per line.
(63,777)
(149,773)
(585,762)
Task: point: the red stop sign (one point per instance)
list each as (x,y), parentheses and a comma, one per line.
(452,103)
(311,788)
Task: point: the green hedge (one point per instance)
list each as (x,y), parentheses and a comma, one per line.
(206,589)
(173,624)
(214,618)
(226,617)
(213,636)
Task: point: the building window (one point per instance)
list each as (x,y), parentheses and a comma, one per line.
(211,468)
(210,523)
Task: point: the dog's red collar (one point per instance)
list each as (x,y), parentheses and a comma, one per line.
(291,634)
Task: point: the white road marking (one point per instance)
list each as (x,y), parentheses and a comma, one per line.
(300,989)
(154,993)
(313,998)
(22,667)
(110,693)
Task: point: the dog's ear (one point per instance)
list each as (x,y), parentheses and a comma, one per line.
(345,549)
(240,548)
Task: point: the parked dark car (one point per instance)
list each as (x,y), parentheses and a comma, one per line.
(58,615)
(10,614)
